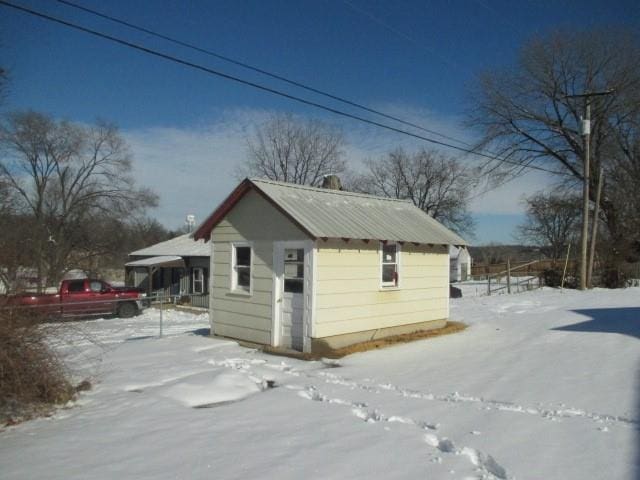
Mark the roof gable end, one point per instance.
(205, 228)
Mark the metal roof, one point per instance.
(160, 261)
(325, 213)
(183, 246)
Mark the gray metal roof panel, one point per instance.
(339, 214)
(183, 246)
(162, 260)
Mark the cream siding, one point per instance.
(256, 221)
(349, 296)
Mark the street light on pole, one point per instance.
(585, 131)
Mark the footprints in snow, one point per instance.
(547, 413)
(552, 414)
(486, 464)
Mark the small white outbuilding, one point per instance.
(460, 263)
(310, 268)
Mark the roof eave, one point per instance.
(385, 240)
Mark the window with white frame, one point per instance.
(197, 280)
(241, 268)
(389, 264)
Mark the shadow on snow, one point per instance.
(204, 332)
(624, 321)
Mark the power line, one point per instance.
(280, 77)
(261, 87)
(255, 69)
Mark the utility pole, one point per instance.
(594, 228)
(586, 133)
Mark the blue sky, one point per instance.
(415, 59)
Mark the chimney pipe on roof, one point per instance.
(332, 182)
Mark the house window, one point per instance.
(197, 280)
(389, 264)
(241, 268)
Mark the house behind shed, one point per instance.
(460, 264)
(175, 267)
(308, 268)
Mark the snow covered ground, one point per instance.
(542, 385)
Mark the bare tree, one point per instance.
(64, 178)
(623, 182)
(438, 184)
(524, 113)
(295, 150)
(552, 222)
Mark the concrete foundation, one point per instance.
(325, 344)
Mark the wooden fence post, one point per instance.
(508, 275)
(564, 272)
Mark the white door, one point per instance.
(292, 295)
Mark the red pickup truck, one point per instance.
(83, 298)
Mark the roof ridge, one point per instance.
(329, 191)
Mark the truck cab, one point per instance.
(89, 297)
(84, 298)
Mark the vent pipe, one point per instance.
(332, 182)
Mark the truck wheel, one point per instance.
(127, 310)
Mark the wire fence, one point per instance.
(505, 279)
(196, 300)
(510, 281)
(53, 305)
(48, 309)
